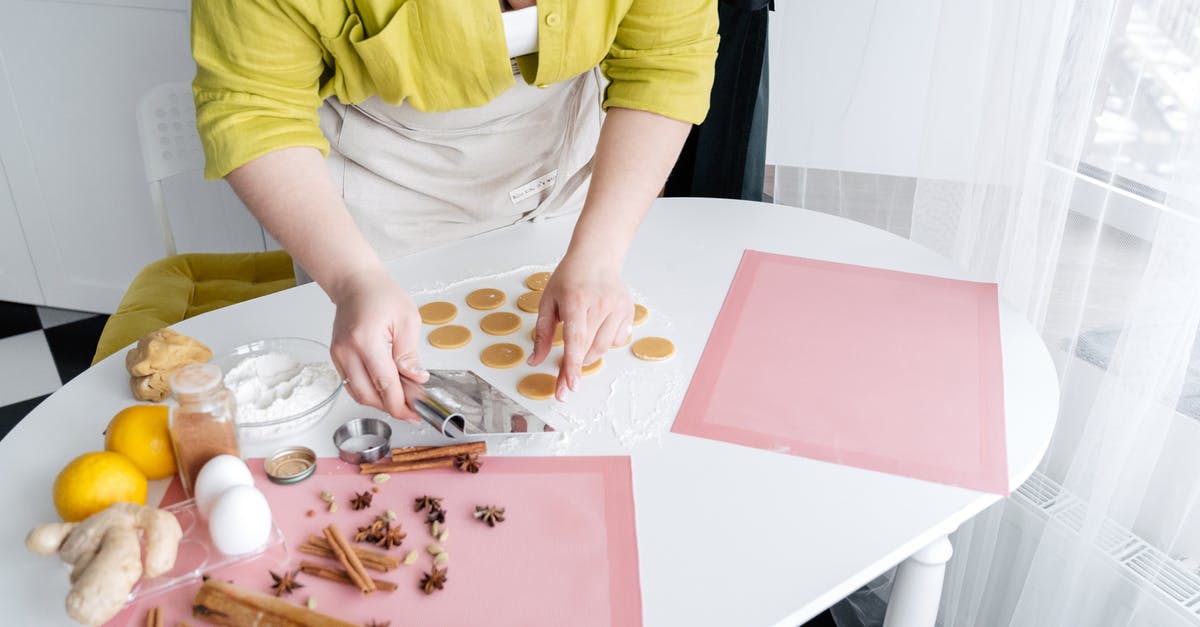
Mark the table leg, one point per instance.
(917, 589)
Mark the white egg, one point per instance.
(240, 522)
(218, 475)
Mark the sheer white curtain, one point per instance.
(1051, 146)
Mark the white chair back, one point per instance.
(166, 120)
(207, 213)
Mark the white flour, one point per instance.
(275, 385)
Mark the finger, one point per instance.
(385, 378)
(404, 354)
(606, 335)
(543, 339)
(358, 383)
(624, 335)
(575, 343)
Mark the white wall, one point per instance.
(18, 280)
(71, 73)
(852, 85)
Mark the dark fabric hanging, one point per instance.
(725, 157)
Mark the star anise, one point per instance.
(393, 537)
(432, 502)
(489, 514)
(361, 501)
(467, 463)
(373, 532)
(434, 580)
(435, 515)
(285, 583)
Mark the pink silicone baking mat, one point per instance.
(877, 369)
(566, 553)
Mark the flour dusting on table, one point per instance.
(642, 396)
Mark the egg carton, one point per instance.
(198, 556)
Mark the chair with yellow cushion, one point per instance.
(178, 287)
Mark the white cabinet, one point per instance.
(70, 77)
(18, 281)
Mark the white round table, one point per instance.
(727, 535)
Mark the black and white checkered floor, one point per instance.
(41, 348)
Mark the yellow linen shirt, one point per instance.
(263, 67)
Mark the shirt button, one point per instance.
(553, 19)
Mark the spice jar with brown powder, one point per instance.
(202, 425)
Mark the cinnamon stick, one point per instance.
(411, 449)
(318, 546)
(222, 603)
(349, 559)
(339, 575)
(389, 467)
(469, 448)
(154, 617)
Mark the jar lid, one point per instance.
(196, 378)
(292, 464)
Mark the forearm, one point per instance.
(293, 197)
(636, 152)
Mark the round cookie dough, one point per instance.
(538, 386)
(502, 355)
(529, 301)
(451, 336)
(486, 298)
(439, 312)
(537, 282)
(653, 349)
(558, 335)
(587, 368)
(500, 323)
(640, 314)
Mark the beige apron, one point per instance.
(414, 180)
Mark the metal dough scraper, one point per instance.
(460, 403)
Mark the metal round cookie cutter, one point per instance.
(363, 440)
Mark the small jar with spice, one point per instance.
(202, 425)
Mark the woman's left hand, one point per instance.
(596, 310)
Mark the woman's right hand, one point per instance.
(375, 337)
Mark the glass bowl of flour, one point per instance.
(283, 385)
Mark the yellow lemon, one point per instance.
(141, 434)
(93, 481)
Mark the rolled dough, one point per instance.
(639, 315)
(502, 355)
(653, 349)
(538, 386)
(439, 312)
(486, 298)
(451, 336)
(529, 301)
(537, 282)
(500, 323)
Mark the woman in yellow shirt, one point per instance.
(357, 131)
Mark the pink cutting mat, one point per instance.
(877, 369)
(565, 555)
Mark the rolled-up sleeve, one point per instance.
(662, 58)
(258, 69)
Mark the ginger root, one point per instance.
(156, 356)
(107, 555)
